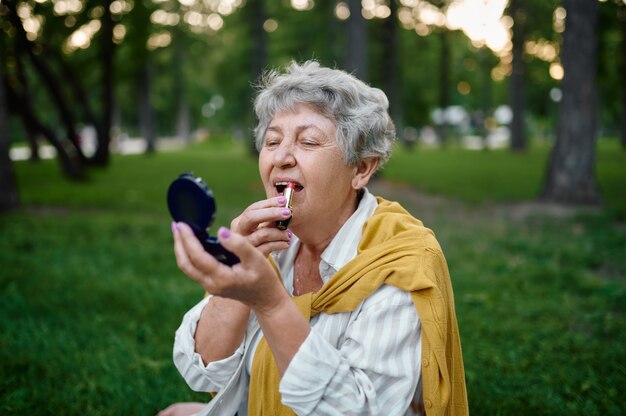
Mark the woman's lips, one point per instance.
(280, 186)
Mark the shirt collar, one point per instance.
(342, 248)
(344, 245)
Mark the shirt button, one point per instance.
(425, 362)
(428, 403)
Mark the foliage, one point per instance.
(218, 62)
(90, 295)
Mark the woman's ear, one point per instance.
(363, 172)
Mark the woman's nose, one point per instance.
(284, 155)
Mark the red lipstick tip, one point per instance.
(291, 185)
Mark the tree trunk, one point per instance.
(146, 113)
(70, 164)
(142, 67)
(9, 198)
(356, 48)
(444, 83)
(101, 157)
(33, 143)
(31, 133)
(259, 58)
(390, 70)
(183, 117)
(487, 104)
(259, 52)
(622, 24)
(68, 152)
(23, 46)
(570, 174)
(77, 90)
(517, 87)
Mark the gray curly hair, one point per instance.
(364, 127)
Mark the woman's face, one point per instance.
(300, 146)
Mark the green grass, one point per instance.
(541, 311)
(90, 295)
(499, 175)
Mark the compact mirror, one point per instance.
(191, 201)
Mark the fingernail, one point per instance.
(224, 232)
(282, 200)
(286, 213)
(289, 234)
(174, 227)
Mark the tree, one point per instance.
(259, 49)
(356, 48)
(622, 64)
(146, 113)
(183, 117)
(390, 63)
(24, 48)
(444, 83)
(570, 176)
(8, 187)
(517, 82)
(107, 53)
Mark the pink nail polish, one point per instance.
(282, 200)
(286, 212)
(289, 234)
(224, 232)
(174, 227)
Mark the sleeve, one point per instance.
(209, 378)
(375, 370)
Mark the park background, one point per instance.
(511, 122)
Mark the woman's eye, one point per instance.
(271, 142)
(310, 143)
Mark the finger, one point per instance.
(182, 259)
(239, 245)
(278, 201)
(249, 221)
(268, 235)
(267, 211)
(269, 248)
(179, 251)
(196, 254)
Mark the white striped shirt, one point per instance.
(364, 362)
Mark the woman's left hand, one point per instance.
(253, 281)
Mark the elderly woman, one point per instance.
(349, 311)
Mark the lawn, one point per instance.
(90, 296)
(499, 175)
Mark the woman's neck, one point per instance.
(306, 274)
(316, 237)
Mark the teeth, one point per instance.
(280, 186)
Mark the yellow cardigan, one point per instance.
(395, 249)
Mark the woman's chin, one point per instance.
(299, 225)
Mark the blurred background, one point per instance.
(511, 125)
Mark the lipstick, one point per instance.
(289, 192)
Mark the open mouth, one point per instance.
(280, 187)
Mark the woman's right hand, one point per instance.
(258, 224)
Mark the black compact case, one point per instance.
(191, 201)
